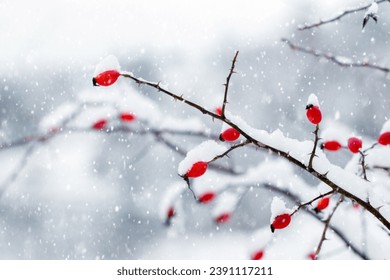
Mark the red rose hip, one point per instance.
(384, 138)
(223, 218)
(127, 117)
(281, 222)
(258, 255)
(313, 114)
(322, 204)
(100, 124)
(206, 197)
(229, 135)
(106, 78)
(197, 169)
(354, 144)
(331, 145)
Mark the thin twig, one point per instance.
(311, 201)
(313, 152)
(232, 148)
(339, 233)
(227, 84)
(327, 222)
(341, 61)
(338, 17)
(363, 164)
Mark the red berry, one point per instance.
(206, 197)
(281, 222)
(218, 111)
(229, 135)
(384, 138)
(331, 145)
(100, 124)
(258, 255)
(106, 78)
(354, 144)
(171, 212)
(313, 114)
(356, 205)
(223, 218)
(197, 169)
(127, 117)
(312, 256)
(322, 204)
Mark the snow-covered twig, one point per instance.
(285, 154)
(338, 17)
(227, 84)
(339, 60)
(327, 223)
(294, 198)
(232, 148)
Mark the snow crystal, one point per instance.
(108, 63)
(313, 100)
(206, 151)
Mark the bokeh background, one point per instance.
(91, 196)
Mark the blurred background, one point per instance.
(80, 198)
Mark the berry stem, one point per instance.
(313, 153)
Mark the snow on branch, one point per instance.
(338, 17)
(339, 60)
(296, 152)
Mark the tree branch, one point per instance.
(313, 153)
(339, 60)
(250, 139)
(338, 17)
(327, 222)
(227, 84)
(338, 232)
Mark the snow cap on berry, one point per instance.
(204, 152)
(278, 207)
(313, 100)
(110, 62)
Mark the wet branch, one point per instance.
(313, 152)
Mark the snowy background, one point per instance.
(94, 195)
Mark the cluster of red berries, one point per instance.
(354, 144)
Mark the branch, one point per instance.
(340, 234)
(227, 84)
(311, 201)
(327, 222)
(363, 164)
(286, 155)
(339, 60)
(341, 15)
(313, 153)
(232, 148)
